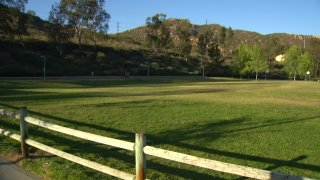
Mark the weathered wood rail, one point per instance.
(139, 147)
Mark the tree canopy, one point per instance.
(158, 32)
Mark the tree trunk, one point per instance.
(60, 49)
(79, 36)
(294, 78)
(95, 41)
(79, 41)
(21, 41)
(256, 76)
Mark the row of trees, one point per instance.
(252, 59)
(209, 44)
(212, 47)
(299, 63)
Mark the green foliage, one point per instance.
(257, 62)
(78, 13)
(314, 48)
(291, 61)
(242, 56)
(214, 53)
(57, 31)
(209, 50)
(250, 60)
(99, 19)
(158, 33)
(306, 63)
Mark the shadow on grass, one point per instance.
(73, 146)
(177, 136)
(46, 96)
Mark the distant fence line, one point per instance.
(62, 78)
(139, 147)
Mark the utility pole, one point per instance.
(148, 68)
(304, 42)
(206, 22)
(44, 67)
(118, 26)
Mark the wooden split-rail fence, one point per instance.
(139, 147)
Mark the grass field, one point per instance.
(272, 125)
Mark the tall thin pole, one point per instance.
(202, 64)
(304, 42)
(148, 69)
(118, 26)
(44, 67)
(202, 70)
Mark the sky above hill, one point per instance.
(262, 16)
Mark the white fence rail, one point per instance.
(140, 148)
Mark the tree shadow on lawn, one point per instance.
(210, 131)
(100, 83)
(46, 96)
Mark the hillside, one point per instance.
(126, 52)
(240, 36)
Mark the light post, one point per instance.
(308, 75)
(44, 67)
(265, 74)
(148, 63)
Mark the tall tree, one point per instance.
(57, 31)
(272, 48)
(202, 50)
(258, 62)
(306, 63)
(184, 31)
(242, 56)
(13, 19)
(314, 48)
(98, 22)
(291, 61)
(209, 49)
(214, 52)
(203, 43)
(78, 14)
(158, 33)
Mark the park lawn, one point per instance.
(272, 125)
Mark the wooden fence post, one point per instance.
(23, 132)
(140, 142)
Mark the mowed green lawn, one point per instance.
(272, 125)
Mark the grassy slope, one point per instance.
(271, 125)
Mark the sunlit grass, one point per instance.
(272, 125)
